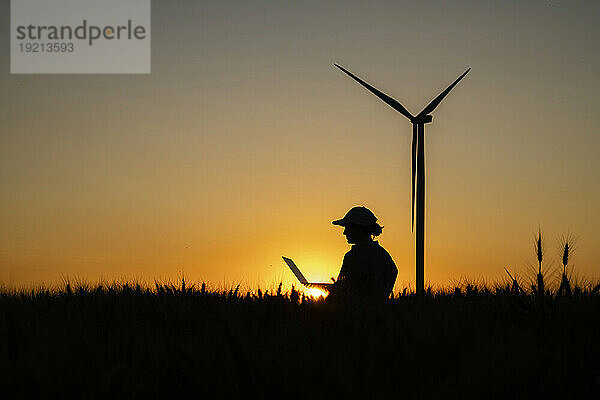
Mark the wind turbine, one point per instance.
(418, 164)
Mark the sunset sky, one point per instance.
(244, 143)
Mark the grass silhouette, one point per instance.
(130, 341)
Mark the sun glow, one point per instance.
(315, 293)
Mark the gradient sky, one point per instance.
(244, 143)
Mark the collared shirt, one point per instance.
(367, 270)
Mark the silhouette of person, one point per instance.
(368, 271)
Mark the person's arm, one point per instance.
(328, 287)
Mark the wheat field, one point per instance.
(130, 341)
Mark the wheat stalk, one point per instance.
(567, 250)
(539, 250)
(515, 288)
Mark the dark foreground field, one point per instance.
(127, 342)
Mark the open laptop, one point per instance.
(301, 278)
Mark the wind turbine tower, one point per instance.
(418, 165)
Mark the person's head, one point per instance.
(360, 225)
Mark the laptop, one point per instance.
(300, 276)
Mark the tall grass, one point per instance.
(566, 243)
(539, 250)
(188, 340)
(515, 287)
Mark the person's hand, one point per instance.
(322, 286)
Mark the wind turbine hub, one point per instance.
(423, 119)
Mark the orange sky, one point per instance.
(244, 143)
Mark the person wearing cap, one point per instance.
(368, 270)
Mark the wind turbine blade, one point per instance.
(434, 103)
(387, 99)
(413, 176)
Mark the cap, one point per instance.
(358, 215)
